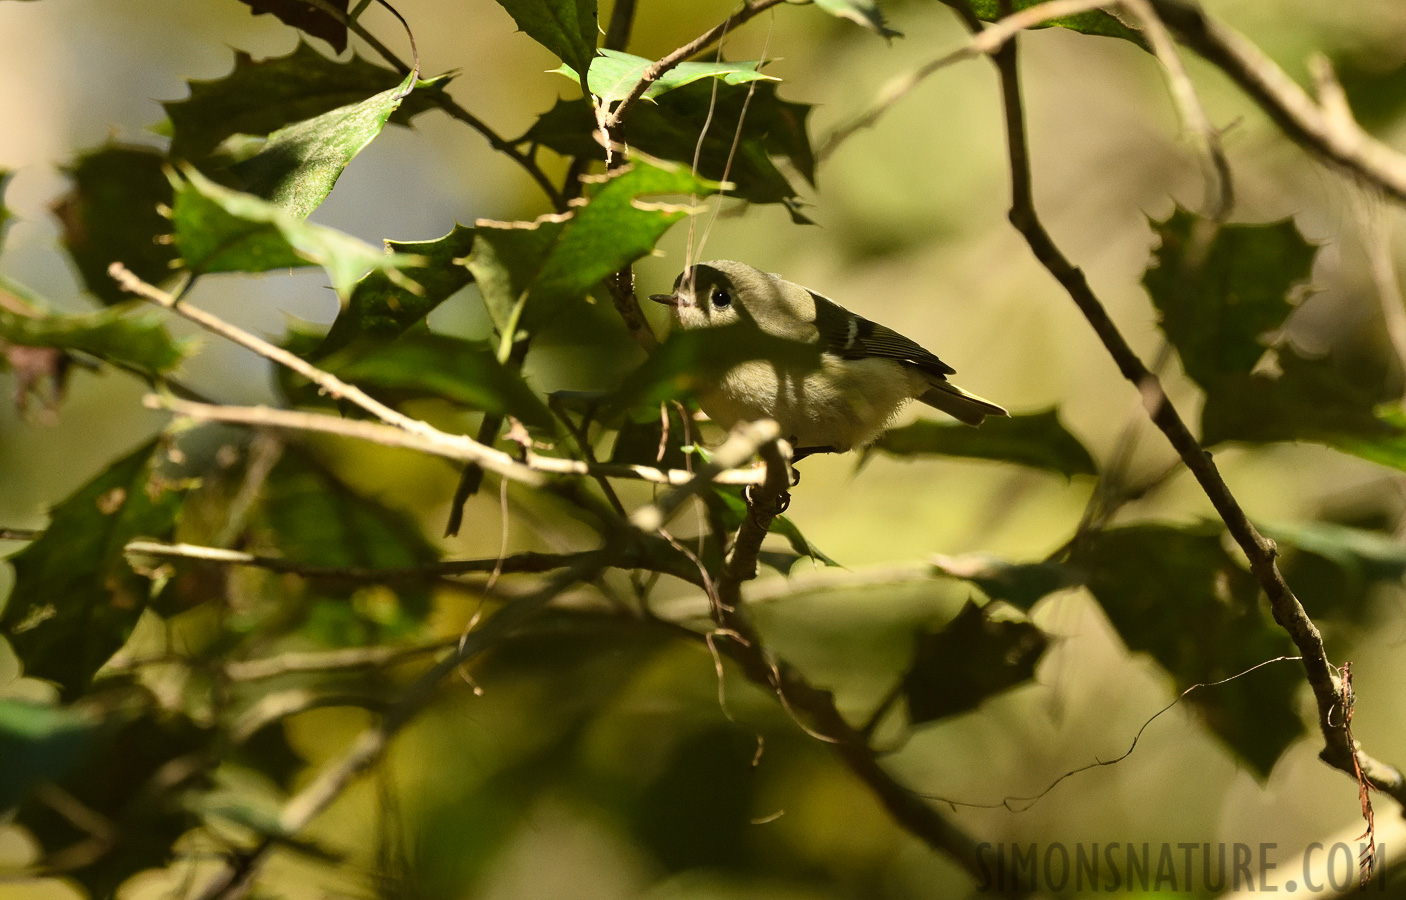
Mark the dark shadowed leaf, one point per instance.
(75, 597)
(862, 12)
(220, 230)
(111, 214)
(118, 335)
(260, 97)
(728, 508)
(974, 657)
(1022, 585)
(5, 214)
(614, 73)
(421, 364)
(305, 18)
(300, 163)
(1375, 93)
(560, 258)
(565, 27)
(1096, 22)
(1176, 594)
(669, 129)
(39, 743)
(381, 310)
(1038, 440)
(643, 440)
(1334, 567)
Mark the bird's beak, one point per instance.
(666, 299)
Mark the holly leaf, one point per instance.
(113, 214)
(305, 18)
(1334, 567)
(1176, 594)
(116, 335)
(614, 74)
(39, 743)
(669, 129)
(1038, 440)
(381, 310)
(565, 27)
(541, 265)
(75, 597)
(1022, 585)
(258, 97)
(300, 163)
(861, 12)
(220, 230)
(1095, 22)
(972, 658)
(433, 365)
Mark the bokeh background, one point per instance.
(516, 793)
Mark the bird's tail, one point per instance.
(959, 404)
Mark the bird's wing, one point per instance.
(854, 337)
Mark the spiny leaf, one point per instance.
(305, 18)
(112, 214)
(862, 12)
(1095, 22)
(116, 335)
(565, 27)
(381, 310)
(1176, 594)
(259, 97)
(300, 163)
(974, 657)
(220, 230)
(1022, 585)
(560, 258)
(614, 73)
(1038, 440)
(75, 597)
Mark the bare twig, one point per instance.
(348, 659)
(20, 534)
(741, 444)
(1260, 551)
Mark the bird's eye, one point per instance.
(721, 299)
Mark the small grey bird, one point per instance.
(867, 372)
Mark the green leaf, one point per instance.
(113, 214)
(974, 657)
(309, 514)
(381, 310)
(1334, 567)
(728, 507)
(640, 440)
(220, 230)
(307, 19)
(75, 597)
(117, 335)
(1220, 290)
(669, 129)
(1387, 447)
(464, 372)
(614, 73)
(1022, 585)
(560, 258)
(1095, 22)
(260, 97)
(1376, 95)
(1176, 594)
(1038, 440)
(861, 12)
(5, 214)
(39, 743)
(299, 165)
(565, 27)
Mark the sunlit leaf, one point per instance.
(974, 657)
(614, 73)
(565, 27)
(118, 335)
(381, 310)
(220, 230)
(560, 258)
(113, 213)
(1022, 585)
(306, 18)
(76, 597)
(1176, 594)
(1038, 440)
(39, 743)
(1096, 22)
(300, 163)
(861, 12)
(260, 97)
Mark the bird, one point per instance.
(867, 371)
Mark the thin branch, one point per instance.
(20, 534)
(349, 659)
(1260, 551)
(1332, 136)
(741, 445)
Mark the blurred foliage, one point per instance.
(163, 711)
